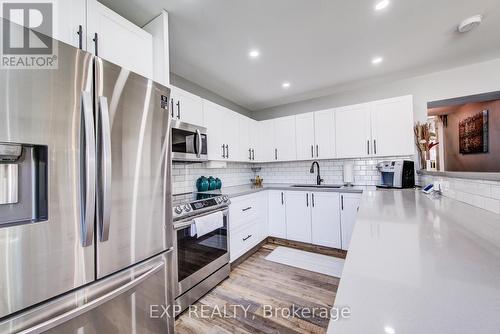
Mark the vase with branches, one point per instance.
(425, 140)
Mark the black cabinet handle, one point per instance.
(253, 154)
(312, 151)
(282, 199)
(179, 109)
(342, 202)
(307, 200)
(227, 151)
(246, 209)
(368, 146)
(96, 42)
(275, 154)
(317, 151)
(249, 154)
(80, 37)
(245, 239)
(312, 197)
(374, 146)
(223, 151)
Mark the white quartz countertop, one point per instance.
(235, 191)
(420, 265)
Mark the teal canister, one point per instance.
(218, 183)
(211, 183)
(202, 184)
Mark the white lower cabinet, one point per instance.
(349, 205)
(298, 216)
(326, 219)
(247, 223)
(277, 214)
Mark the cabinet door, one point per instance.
(69, 15)
(349, 205)
(187, 107)
(230, 123)
(392, 126)
(255, 140)
(119, 41)
(276, 215)
(298, 216)
(213, 116)
(326, 219)
(352, 131)
(324, 134)
(263, 204)
(284, 138)
(267, 146)
(245, 151)
(304, 136)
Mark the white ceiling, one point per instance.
(317, 45)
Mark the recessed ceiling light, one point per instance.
(382, 4)
(377, 60)
(254, 53)
(285, 85)
(389, 330)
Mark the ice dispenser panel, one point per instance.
(23, 183)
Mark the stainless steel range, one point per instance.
(201, 262)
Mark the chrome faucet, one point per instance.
(318, 178)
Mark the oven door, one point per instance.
(197, 258)
(189, 142)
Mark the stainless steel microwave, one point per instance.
(189, 142)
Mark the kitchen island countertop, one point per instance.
(420, 264)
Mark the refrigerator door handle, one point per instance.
(60, 319)
(87, 166)
(106, 170)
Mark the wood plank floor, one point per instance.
(257, 284)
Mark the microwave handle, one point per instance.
(198, 148)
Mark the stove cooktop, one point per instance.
(191, 204)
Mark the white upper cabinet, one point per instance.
(245, 151)
(324, 134)
(118, 40)
(158, 28)
(304, 136)
(222, 129)
(186, 107)
(392, 126)
(352, 131)
(284, 139)
(326, 219)
(255, 140)
(69, 18)
(266, 142)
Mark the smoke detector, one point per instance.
(470, 23)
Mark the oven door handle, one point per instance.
(190, 221)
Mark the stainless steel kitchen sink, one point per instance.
(323, 186)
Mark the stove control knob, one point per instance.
(178, 210)
(225, 198)
(187, 208)
(218, 200)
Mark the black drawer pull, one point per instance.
(245, 239)
(246, 209)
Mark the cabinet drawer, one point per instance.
(243, 240)
(243, 210)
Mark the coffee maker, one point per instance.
(396, 174)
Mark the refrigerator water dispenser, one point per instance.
(23, 183)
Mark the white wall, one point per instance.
(467, 80)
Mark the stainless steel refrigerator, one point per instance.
(85, 199)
